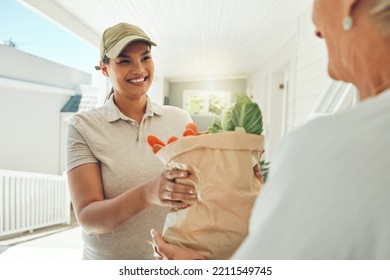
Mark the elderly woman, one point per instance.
(327, 196)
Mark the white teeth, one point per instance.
(137, 80)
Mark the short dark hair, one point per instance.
(105, 60)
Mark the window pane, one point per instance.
(207, 103)
(194, 102)
(218, 102)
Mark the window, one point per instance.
(206, 103)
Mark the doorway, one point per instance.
(278, 88)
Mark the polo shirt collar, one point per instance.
(114, 114)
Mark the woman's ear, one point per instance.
(103, 68)
(348, 6)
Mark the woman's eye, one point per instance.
(123, 61)
(146, 58)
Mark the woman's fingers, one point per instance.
(179, 191)
(176, 191)
(166, 251)
(173, 174)
(161, 248)
(257, 171)
(156, 254)
(173, 194)
(177, 199)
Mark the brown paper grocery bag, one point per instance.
(221, 168)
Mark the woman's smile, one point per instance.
(137, 81)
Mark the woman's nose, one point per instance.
(137, 68)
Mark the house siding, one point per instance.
(32, 92)
(304, 59)
(310, 72)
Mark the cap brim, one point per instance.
(115, 51)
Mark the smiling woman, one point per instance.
(131, 75)
(118, 188)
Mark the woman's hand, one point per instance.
(166, 251)
(164, 191)
(257, 171)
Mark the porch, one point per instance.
(59, 242)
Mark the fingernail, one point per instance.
(191, 191)
(152, 232)
(182, 174)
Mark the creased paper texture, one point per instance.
(221, 167)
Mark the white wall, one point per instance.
(310, 73)
(33, 91)
(30, 130)
(23, 66)
(156, 91)
(275, 113)
(264, 87)
(303, 59)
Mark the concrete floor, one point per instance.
(62, 242)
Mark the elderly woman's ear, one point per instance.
(349, 5)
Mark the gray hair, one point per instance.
(380, 11)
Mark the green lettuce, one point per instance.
(215, 126)
(242, 115)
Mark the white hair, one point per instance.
(379, 10)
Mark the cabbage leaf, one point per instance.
(242, 115)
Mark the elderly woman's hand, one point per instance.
(166, 251)
(257, 171)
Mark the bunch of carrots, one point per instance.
(156, 143)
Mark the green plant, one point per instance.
(242, 115)
(264, 167)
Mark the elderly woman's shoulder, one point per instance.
(366, 117)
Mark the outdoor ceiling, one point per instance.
(195, 38)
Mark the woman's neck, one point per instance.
(372, 67)
(133, 108)
(373, 77)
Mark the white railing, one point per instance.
(30, 201)
(336, 96)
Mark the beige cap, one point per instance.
(117, 37)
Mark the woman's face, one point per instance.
(132, 71)
(327, 17)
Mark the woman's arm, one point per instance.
(98, 215)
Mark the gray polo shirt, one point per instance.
(105, 136)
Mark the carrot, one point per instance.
(192, 126)
(153, 139)
(189, 132)
(157, 147)
(172, 139)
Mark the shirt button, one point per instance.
(133, 122)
